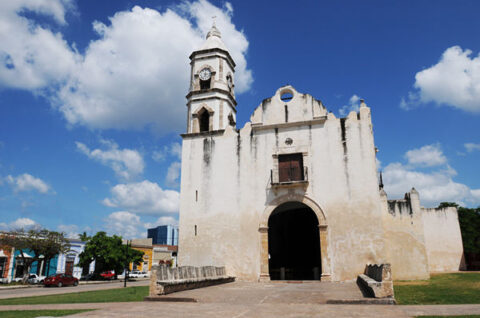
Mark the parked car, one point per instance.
(35, 279)
(137, 274)
(108, 275)
(91, 276)
(60, 280)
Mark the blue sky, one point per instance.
(92, 96)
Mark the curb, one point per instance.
(365, 301)
(170, 299)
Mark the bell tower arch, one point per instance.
(212, 86)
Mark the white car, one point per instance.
(35, 279)
(137, 274)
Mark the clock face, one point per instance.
(205, 74)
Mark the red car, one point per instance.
(108, 275)
(60, 280)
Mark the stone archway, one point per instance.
(322, 228)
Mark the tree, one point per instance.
(35, 245)
(109, 253)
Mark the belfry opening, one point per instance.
(294, 243)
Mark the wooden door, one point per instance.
(69, 268)
(290, 167)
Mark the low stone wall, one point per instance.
(165, 280)
(377, 280)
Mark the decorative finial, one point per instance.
(214, 31)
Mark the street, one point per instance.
(40, 291)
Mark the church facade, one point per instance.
(294, 194)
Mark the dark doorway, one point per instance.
(204, 121)
(294, 243)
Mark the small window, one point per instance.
(290, 167)
(204, 121)
(205, 84)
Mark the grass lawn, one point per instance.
(97, 296)
(38, 313)
(457, 288)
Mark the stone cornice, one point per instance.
(203, 134)
(230, 98)
(318, 120)
(228, 58)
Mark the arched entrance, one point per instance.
(294, 243)
(302, 201)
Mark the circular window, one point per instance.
(286, 96)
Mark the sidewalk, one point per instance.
(269, 300)
(267, 310)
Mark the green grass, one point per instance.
(457, 288)
(38, 313)
(97, 296)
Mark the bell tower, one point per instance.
(211, 98)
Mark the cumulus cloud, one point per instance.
(26, 182)
(174, 150)
(353, 105)
(31, 55)
(434, 186)
(144, 198)
(173, 174)
(19, 224)
(125, 224)
(70, 230)
(163, 220)
(454, 81)
(135, 75)
(126, 163)
(429, 155)
(470, 146)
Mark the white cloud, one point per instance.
(31, 55)
(173, 174)
(174, 150)
(163, 220)
(70, 230)
(125, 224)
(434, 186)
(143, 197)
(470, 146)
(135, 75)
(428, 156)
(126, 163)
(453, 81)
(27, 182)
(19, 224)
(353, 105)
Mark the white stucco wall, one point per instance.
(404, 237)
(231, 174)
(443, 239)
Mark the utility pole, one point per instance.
(127, 266)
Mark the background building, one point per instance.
(144, 245)
(164, 234)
